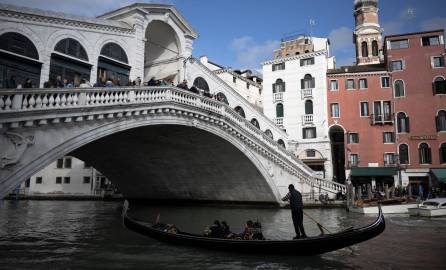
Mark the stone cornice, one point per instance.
(295, 57)
(358, 74)
(230, 71)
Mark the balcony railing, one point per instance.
(307, 93)
(307, 119)
(381, 119)
(278, 97)
(279, 121)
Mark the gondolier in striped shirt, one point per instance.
(297, 212)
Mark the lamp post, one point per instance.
(398, 167)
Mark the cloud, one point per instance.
(250, 54)
(433, 24)
(341, 39)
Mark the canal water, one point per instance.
(89, 235)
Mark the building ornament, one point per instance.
(16, 148)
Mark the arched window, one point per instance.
(279, 110)
(307, 82)
(201, 84)
(375, 48)
(281, 143)
(439, 86)
(425, 154)
(72, 48)
(307, 51)
(308, 107)
(222, 98)
(240, 111)
(402, 123)
(364, 49)
(443, 153)
(114, 51)
(441, 121)
(279, 86)
(399, 88)
(403, 151)
(269, 133)
(18, 44)
(255, 123)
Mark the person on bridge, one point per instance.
(297, 212)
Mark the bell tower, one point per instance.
(368, 33)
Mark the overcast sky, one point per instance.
(243, 33)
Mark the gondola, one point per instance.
(306, 246)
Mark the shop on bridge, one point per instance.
(113, 64)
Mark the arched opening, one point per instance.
(222, 98)
(364, 49)
(69, 61)
(399, 88)
(439, 86)
(425, 154)
(440, 120)
(308, 107)
(18, 61)
(375, 50)
(442, 153)
(281, 143)
(307, 82)
(403, 151)
(279, 86)
(279, 110)
(255, 123)
(113, 64)
(240, 111)
(336, 134)
(402, 122)
(162, 51)
(269, 134)
(201, 83)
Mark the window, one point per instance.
(439, 86)
(308, 107)
(404, 153)
(334, 85)
(382, 111)
(18, 44)
(86, 179)
(71, 47)
(311, 153)
(307, 61)
(430, 41)
(362, 83)
(350, 84)
(114, 51)
(443, 153)
(234, 79)
(353, 137)
(279, 66)
(66, 180)
(440, 120)
(279, 110)
(364, 49)
(389, 158)
(396, 65)
(385, 82)
(309, 133)
(364, 108)
(398, 88)
(399, 44)
(255, 123)
(39, 180)
(67, 163)
(307, 82)
(59, 164)
(58, 180)
(269, 133)
(402, 121)
(437, 61)
(425, 154)
(279, 86)
(353, 160)
(281, 143)
(240, 111)
(334, 110)
(375, 48)
(201, 83)
(388, 137)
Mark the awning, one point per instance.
(373, 171)
(439, 175)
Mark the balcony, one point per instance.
(277, 97)
(307, 119)
(381, 119)
(279, 121)
(307, 93)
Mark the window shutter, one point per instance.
(274, 88)
(433, 88)
(403, 64)
(312, 83)
(432, 61)
(283, 87)
(429, 155)
(273, 67)
(302, 82)
(303, 133)
(407, 124)
(437, 122)
(346, 84)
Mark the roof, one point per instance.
(63, 16)
(373, 171)
(358, 69)
(414, 33)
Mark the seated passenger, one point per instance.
(226, 232)
(256, 232)
(246, 234)
(216, 229)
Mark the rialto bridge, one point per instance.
(152, 142)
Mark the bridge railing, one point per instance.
(63, 98)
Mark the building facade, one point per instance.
(294, 96)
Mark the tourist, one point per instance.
(151, 82)
(247, 232)
(194, 89)
(183, 85)
(421, 192)
(28, 83)
(297, 212)
(137, 81)
(226, 232)
(84, 84)
(12, 83)
(216, 229)
(59, 82)
(109, 83)
(46, 84)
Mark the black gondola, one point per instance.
(306, 246)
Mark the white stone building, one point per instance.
(294, 96)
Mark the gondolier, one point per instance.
(297, 212)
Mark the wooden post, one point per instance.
(386, 190)
(369, 191)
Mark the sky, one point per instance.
(243, 33)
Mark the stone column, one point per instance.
(138, 50)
